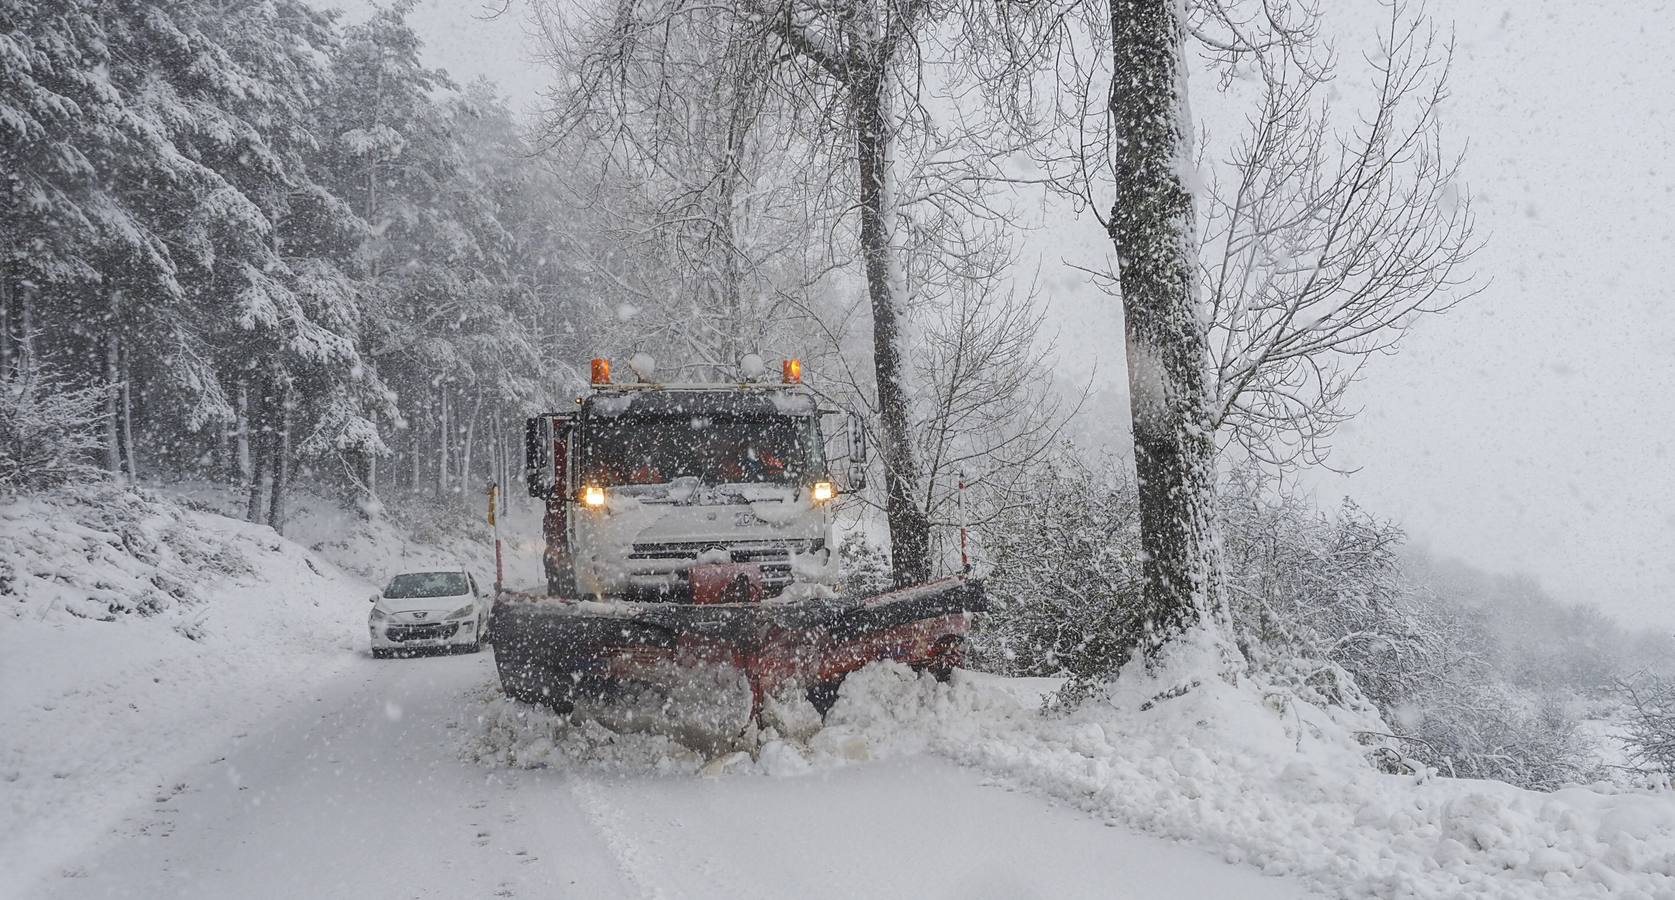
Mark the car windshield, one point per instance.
(427, 584)
(657, 449)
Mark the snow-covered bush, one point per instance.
(1315, 599)
(105, 552)
(863, 565)
(1065, 575)
(1650, 730)
(1474, 725)
(48, 428)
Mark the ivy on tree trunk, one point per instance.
(1153, 228)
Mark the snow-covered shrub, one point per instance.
(1650, 730)
(1475, 725)
(863, 565)
(1065, 575)
(48, 428)
(104, 552)
(1322, 610)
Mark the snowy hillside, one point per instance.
(139, 633)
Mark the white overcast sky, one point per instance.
(1530, 430)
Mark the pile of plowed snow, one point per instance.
(136, 635)
(1248, 770)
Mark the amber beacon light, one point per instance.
(792, 372)
(601, 370)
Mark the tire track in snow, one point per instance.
(613, 829)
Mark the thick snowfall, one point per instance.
(277, 297)
(242, 743)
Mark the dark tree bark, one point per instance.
(113, 402)
(1153, 229)
(909, 527)
(129, 452)
(280, 445)
(260, 440)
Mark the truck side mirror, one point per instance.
(374, 598)
(857, 441)
(537, 456)
(857, 454)
(546, 455)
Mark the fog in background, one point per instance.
(1529, 430)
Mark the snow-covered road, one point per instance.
(360, 791)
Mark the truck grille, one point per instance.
(773, 558)
(739, 552)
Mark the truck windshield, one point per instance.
(415, 585)
(657, 449)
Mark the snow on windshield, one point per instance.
(418, 585)
(657, 449)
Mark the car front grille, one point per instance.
(427, 632)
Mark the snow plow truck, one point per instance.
(689, 559)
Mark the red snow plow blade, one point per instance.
(566, 652)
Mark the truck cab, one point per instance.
(686, 493)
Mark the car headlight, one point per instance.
(378, 614)
(464, 612)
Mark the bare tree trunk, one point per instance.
(467, 452)
(259, 442)
(1153, 229)
(26, 329)
(123, 359)
(505, 449)
(9, 362)
(442, 435)
(909, 526)
(281, 448)
(113, 411)
(241, 436)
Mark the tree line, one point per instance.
(266, 239)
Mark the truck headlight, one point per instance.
(463, 612)
(822, 491)
(593, 496)
(378, 614)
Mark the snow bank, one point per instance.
(1277, 783)
(1249, 770)
(136, 636)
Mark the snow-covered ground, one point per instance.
(237, 740)
(359, 791)
(141, 631)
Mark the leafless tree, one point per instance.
(1317, 250)
(1321, 249)
(666, 127)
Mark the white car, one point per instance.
(437, 609)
